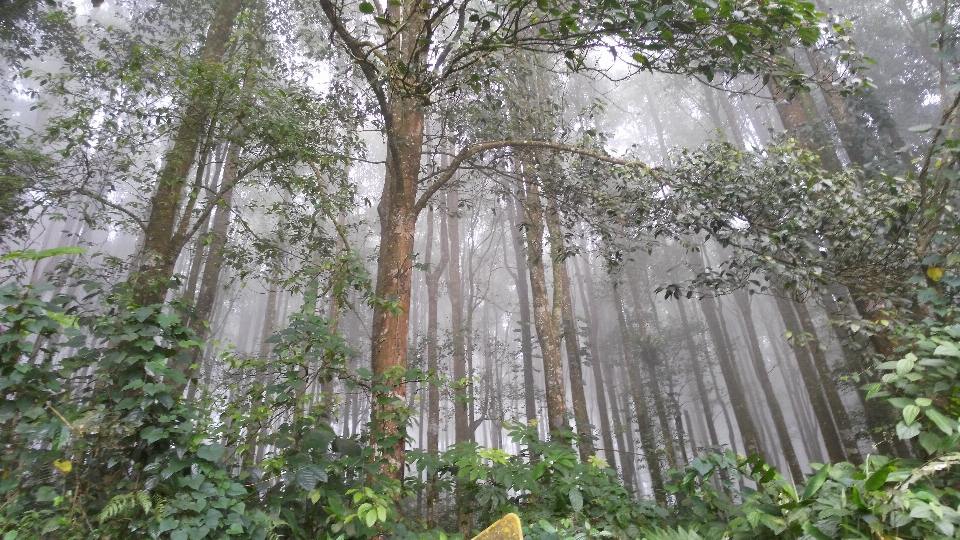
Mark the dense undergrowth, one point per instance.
(98, 441)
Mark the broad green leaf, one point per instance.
(211, 452)
(816, 533)
(576, 500)
(153, 434)
(910, 413)
(946, 425)
(877, 479)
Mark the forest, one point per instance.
(392, 269)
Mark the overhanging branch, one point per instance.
(446, 174)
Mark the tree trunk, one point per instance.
(702, 392)
(589, 306)
(735, 390)
(543, 316)
(514, 213)
(760, 369)
(561, 297)
(829, 386)
(161, 246)
(462, 431)
(811, 382)
(391, 310)
(648, 358)
(647, 438)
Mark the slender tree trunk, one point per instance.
(523, 295)
(648, 358)
(462, 432)
(589, 306)
(647, 438)
(829, 386)
(702, 393)
(812, 383)
(760, 369)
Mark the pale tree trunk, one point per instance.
(770, 396)
(514, 213)
(589, 306)
(703, 394)
(812, 384)
(735, 390)
(829, 386)
(647, 439)
(647, 356)
(462, 432)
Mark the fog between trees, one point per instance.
(328, 246)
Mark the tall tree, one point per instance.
(410, 51)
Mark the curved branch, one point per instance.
(446, 174)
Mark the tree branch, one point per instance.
(446, 174)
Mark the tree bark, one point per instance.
(647, 439)
(543, 316)
(162, 243)
(561, 297)
(844, 426)
(589, 305)
(760, 369)
(514, 213)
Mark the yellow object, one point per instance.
(64, 466)
(934, 273)
(506, 528)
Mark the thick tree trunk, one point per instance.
(391, 311)
(546, 323)
(561, 297)
(161, 246)
(800, 118)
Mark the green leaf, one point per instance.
(211, 452)
(946, 425)
(929, 441)
(877, 479)
(814, 532)
(815, 483)
(910, 413)
(905, 431)
(165, 320)
(370, 518)
(153, 434)
(366, 7)
(947, 349)
(576, 500)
